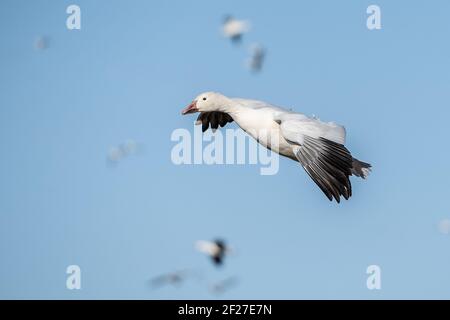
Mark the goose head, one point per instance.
(206, 102)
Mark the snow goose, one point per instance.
(234, 29)
(215, 249)
(317, 145)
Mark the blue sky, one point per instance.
(126, 75)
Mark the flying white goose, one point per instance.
(215, 249)
(234, 29)
(317, 145)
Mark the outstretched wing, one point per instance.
(213, 119)
(327, 162)
(296, 125)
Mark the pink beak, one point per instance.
(192, 108)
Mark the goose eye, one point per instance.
(204, 99)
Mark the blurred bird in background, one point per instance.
(175, 278)
(234, 29)
(41, 43)
(217, 250)
(125, 149)
(444, 226)
(257, 55)
(222, 286)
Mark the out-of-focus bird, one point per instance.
(223, 285)
(257, 56)
(444, 226)
(215, 249)
(123, 150)
(234, 29)
(173, 278)
(317, 145)
(115, 154)
(42, 43)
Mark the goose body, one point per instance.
(259, 124)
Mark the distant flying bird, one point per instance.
(224, 285)
(258, 54)
(42, 43)
(215, 249)
(117, 153)
(172, 278)
(444, 226)
(317, 145)
(234, 29)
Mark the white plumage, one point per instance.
(234, 29)
(216, 250)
